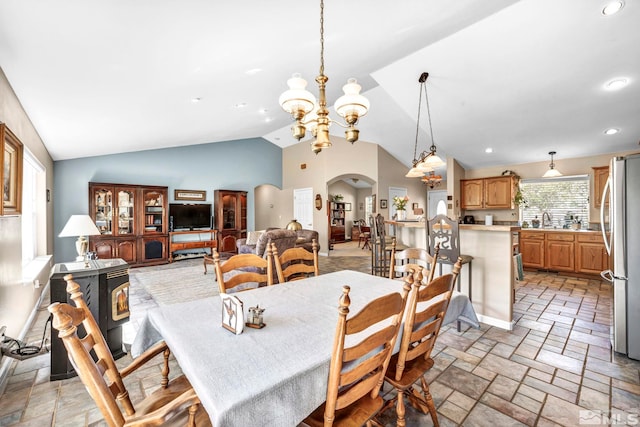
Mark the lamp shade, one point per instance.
(352, 103)
(297, 98)
(79, 225)
(552, 172)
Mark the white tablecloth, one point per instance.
(274, 376)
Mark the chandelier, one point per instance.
(301, 104)
(431, 179)
(427, 160)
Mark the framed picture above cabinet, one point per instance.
(11, 153)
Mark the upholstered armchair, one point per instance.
(283, 240)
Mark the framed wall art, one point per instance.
(383, 203)
(347, 206)
(194, 195)
(11, 166)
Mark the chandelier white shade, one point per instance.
(314, 115)
(552, 172)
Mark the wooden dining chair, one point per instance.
(425, 312)
(364, 234)
(407, 261)
(174, 403)
(296, 263)
(381, 246)
(243, 271)
(356, 372)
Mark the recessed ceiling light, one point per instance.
(611, 131)
(240, 105)
(263, 111)
(196, 100)
(617, 83)
(268, 119)
(253, 71)
(488, 150)
(612, 8)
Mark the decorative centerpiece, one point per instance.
(400, 203)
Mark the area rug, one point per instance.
(185, 280)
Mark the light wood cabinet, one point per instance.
(132, 220)
(566, 251)
(600, 176)
(488, 193)
(591, 255)
(531, 246)
(471, 193)
(230, 218)
(560, 251)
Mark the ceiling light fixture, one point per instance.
(616, 84)
(298, 102)
(552, 172)
(611, 131)
(613, 8)
(427, 160)
(431, 179)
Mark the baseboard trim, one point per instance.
(492, 321)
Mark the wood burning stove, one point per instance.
(105, 288)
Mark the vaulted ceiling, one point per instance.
(521, 77)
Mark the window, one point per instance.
(565, 199)
(33, 178)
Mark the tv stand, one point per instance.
(192, 239)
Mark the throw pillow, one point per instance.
(253, 236)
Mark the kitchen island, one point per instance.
(492, 270)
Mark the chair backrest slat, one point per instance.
(247, 268)
(296, 263)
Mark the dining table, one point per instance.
(276, 375)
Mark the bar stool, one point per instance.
(381, 246)
(444, 231)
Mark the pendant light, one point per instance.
(427, 160)
(552, 172)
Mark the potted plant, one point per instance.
(338, 197)
(400, 203)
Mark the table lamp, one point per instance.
(81, 226)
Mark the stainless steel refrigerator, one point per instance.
(623, 245)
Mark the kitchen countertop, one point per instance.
(482, 227)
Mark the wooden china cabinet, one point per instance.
(230, 218)
(133, 222)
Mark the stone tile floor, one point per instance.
(555, 368)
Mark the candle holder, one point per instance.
(254, 319)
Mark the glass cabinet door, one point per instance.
(103, 213)
(153, 211)
(126, 218)
(229, 204)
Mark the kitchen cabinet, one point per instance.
(471, 193)
(132, 220)
(591, 255)
(560, 252)
(488, 193)
(580, 252)
(531, 246)
(230, 220)
(600, 176)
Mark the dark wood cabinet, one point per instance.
(336, 222)
(133, 222)
(230, 218)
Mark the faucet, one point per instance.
(546, 222)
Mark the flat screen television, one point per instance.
(190, 216)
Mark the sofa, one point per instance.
(305, 239)
(256, 241)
